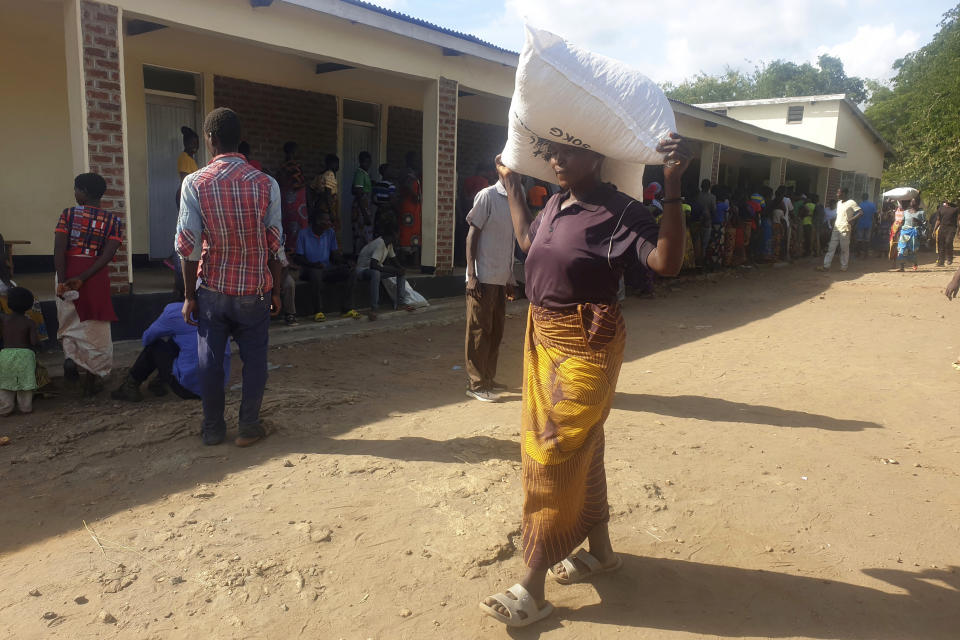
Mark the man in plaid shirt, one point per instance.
(228, 236)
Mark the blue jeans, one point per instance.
(374, 276)
(247, 319)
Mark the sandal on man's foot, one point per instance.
(319, 317)
(576, 574)
(352, 313)
(521, 608)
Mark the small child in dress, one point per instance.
(18, 358)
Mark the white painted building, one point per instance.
(830, 120)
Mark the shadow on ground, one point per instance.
(76, 460)
(719, 410)
(710, 600)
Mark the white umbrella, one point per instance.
(901, 193)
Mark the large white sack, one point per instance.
(569, 95)
(901, 193)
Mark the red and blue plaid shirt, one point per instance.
(230, 222)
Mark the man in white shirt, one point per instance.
(848, 211)
(788, 219)
(375, 261)
(490, 283)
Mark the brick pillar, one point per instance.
(833, 183)
(446, 174)
(102, 84)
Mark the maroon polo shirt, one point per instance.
(568, 261)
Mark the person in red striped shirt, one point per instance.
(229, 236)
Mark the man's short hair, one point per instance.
(704, 185)
(223, 124)
(866, 196)
(364, 155)
(91, 184)
(844, 191)
(330, 159)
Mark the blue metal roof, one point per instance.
(423, 23)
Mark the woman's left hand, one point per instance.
(677, 153)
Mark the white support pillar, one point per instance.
(76, 89)
(709, 155)
(778, 172)
(822, 173)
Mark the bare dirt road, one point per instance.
(782, 457)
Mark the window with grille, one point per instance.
(158, 79)
(795, 114)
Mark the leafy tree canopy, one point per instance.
(777, 79)
(920, 116)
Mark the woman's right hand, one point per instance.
(508, 177)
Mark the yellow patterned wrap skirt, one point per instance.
(571, 363)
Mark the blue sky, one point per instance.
(674, 40)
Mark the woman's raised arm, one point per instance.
(522, 218)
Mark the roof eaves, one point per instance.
(697, 111)
(377, 17)
(424, 23)
(766, 101)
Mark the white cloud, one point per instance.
(670, 42)
(873, 50)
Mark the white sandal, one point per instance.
(517, 600)
(576, 574)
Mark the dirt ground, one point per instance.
(782, 459)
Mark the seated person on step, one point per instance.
(379, 260)
(321, 264)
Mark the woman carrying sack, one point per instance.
(577, 250)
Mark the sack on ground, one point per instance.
(413, 298)
(569, 95)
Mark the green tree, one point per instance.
(729, 85)
(920, 116)
(777, 79)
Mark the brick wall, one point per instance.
(271, 116)
(446, 174)
(101, 77)
(834, 177)
(477, 142)
(404, 134)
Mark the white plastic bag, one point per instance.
(412, 298)
(569, 95)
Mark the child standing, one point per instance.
(86, 239)
(18, 359)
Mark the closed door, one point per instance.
(165, 116)
(356, 138)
